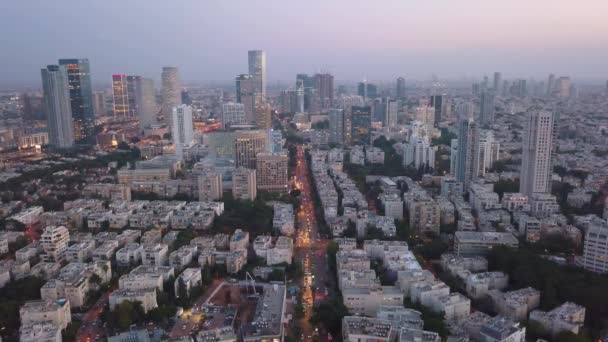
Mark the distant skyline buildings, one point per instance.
(400, 89)
(120, 96)
(57, 102)
(246, 94)
(170, 92)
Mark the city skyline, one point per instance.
(541, 39)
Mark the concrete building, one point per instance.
(130, 254)
(189, 279)
(239, 241)
(170, 92)
(424, 215)
(257, 69)
(57, 103)
(515, 305)
(357, 329)
(566, 317)
(244, 184)
(40, 332)
(281, 253)
(478, 243)
(210, 186)
(147, 298)
(182, 129)
(418, 153)
(366, 301)
(247, 145)
(595, 250)
(268, 317)
(418, 335)
(477, 285)
(233, 114)
(283, 219)
(40, 311)
(467, 152)
(271, 172)
(54, 243)
(155, 255)
(502, 329)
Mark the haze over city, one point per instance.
(352, 39)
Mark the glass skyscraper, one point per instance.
(81, 98)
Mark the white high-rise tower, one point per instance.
(537, 155)
(183, 130)
(171, 95)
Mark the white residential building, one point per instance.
(55, 243)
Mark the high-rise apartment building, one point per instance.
(336, 126)
(390, 109)
(209, 186)
(99, 104)
(247, 144)
(257, 69)
(246, 94)
(271, 172)
(244, 184)
(54, 242)
(418, 152)
(233, 114)
(182, 129)
(299, 95)
(120, 94)
(400, 93)
(81, 98)
(488, 152)
(361, 124)
(170, 92)
(58, 109)
(468, 147)
(562, 87)
(487, 108)
(263, 115)
(539, 138)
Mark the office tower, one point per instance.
(289, 101)
(54, 241)
(170, 92)
(257, 69)
(263, 115)
(120, 96)
(361, 123)
(81, 98)
(147, 109)
(437, 102)
(57, 104)
(185, 96)
(550, 84)
(488, 152)
(324, 86)
(367, 90)
(519, 88)
(336, 126)
(466, 163)
(453, 157)
(233, 114)
(562, 87)
(487, 107)
(400, 93)
(247, 144)
(390, 109)
(209, 186)
(271, 172)
(244, 184)
(133, 93)
(299, 95)
(182, 129)
(497, 82)
(99, 104)
(246, 94)
(595, 250)
(418, 152)
(537, 155)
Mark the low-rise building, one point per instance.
(283, 219)
(40, 311)
(129, 255)
(566, 317)
(282, 251)
(479, 243)
(357, 329)
(155, 255)
(239, 241)
(366, 301)
(147, 298)
(478, 285)
(40, 332)
(187, 280)
(502, 329)
(515, 305)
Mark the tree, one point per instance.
(123, 145)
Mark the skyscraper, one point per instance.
(336, 126)
(233, 114)
(486, 107)
(170, 92)
(437, 103)
(257, 69)
(120, 95)
(497, 82)
(550, 84)
(147, 109)
(58, 109)
(324, 85)
(537, 154)
(271, 172)
(562, 87)
(488, 151)
(99, 104)
(182, 129)
(81, 98)
(133, 96)
(400, 93)
(247, 144)
(361, 123)
(367, 90)
(468, 146)
(246, 94)
(299, 95)
(390, 110)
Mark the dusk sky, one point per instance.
(378, 40)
